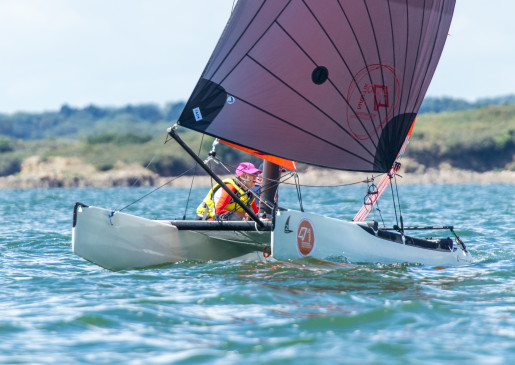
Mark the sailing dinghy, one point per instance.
(335, 84)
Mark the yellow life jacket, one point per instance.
(206, 209)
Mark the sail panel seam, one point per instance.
(255, 43)
(432, 51)
(393, 53)
(238, 40)
(309, 102)
(331, 82)
(380, 68)
(346, 65)
(302, 130)
(365, 66)
(418, 52)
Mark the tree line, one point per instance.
(463, 134)
(151, 119)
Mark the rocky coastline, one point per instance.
(71, 172)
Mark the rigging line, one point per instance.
(364, 63)
(287, 177)
(309, 102)
(381, 66)
(399, 201)
(299, 193)
(239, 38)
(278, 182)
(346, 65)
(224, 165)
(156, 189)
(418, 99)
(268, 203)
(330, 186)
(379, 212)
(192, 179)
(337, 90)
(147, 165)
(304, 131)
(394, 205)
(282, 180)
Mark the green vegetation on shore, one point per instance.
(477, 138)
(480, 139)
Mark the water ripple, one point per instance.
(56, 307)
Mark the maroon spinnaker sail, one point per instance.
(333, 83)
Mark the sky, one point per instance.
(120, 52)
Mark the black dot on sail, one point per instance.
(320, 75)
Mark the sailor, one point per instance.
(218, 203)
(258, 186)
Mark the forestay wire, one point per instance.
(161, 186)
(192, 179)
(156, 189)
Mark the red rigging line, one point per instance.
(373, 196)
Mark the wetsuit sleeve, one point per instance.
(224, 200)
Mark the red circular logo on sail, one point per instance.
(305, 237)
(372, 100)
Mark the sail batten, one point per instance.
(329, 83)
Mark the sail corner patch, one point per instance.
(197, 114)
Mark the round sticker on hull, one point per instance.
(305, 237)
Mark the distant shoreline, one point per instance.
(61, 172)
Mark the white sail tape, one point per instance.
(197, 114)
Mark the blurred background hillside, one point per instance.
(477, 136)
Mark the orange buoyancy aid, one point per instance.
(206, 209)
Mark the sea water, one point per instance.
(56, 307)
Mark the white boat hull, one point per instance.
(118, 241)
(122, 241)
(297, 235)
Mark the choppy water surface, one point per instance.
(57, 308)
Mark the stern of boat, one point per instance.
(299, 234)
(118, 241)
